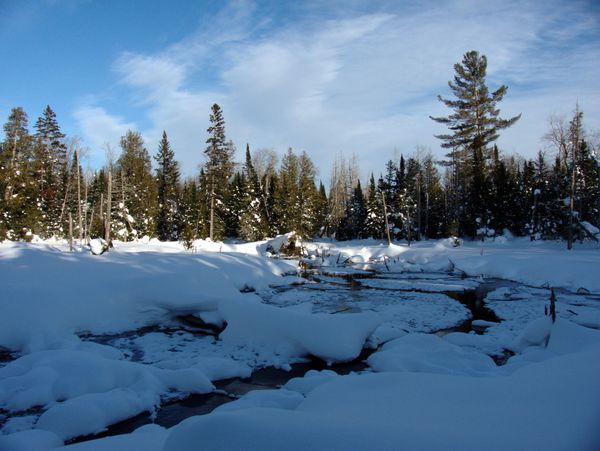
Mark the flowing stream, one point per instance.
(330, 290)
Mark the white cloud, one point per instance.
(362, 82)
(99, 128)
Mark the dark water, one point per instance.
(227, 390)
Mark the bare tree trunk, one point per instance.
(212, 209)
(387, 226)
(11, 170)
(419, 206)
(108, 207)
(409, 231)
(87, 234)
(102, 218)
(70, 232)
(86, 224)
(64, 203)
(79, 218)
(427, 215)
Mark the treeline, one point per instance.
(474, 192)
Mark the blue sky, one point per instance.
(332, 78)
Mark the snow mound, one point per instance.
(430, 354)
(60, 293)
(86, 392)
(546, 405)
(32, 439)
(290, 332)
(311, 380)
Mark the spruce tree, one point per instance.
(167, 180)
(218, 170)
(321, 210)
(253, 221)
(19, 191)
(356, 214)
(134, 189)
(307, 197)
(374, 222)
(51, 156)
(287, 198)
(434, 217)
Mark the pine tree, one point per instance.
(96, 203)
(219, 169)
(322, 210)
(134, 189)
(253, 221)
(356, 214)
(412, 199)
(167, 177)
(287, 206)
(474, 125)
(190, 212)
(589, 185)
(307, 197)
(234, 205)
(434, 217)
(375, 221)
(19, 193)
(52, 169)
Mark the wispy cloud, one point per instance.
(360, 81)
(100, 128)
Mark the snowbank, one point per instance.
(48, 294)
(431, 354)
(292, 332)
(86, 391)
(550, 405)
(536, 263)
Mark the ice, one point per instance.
(419, 285)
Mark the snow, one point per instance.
(430, 353)
(98, 246)
(290, 332)
(278, 399)
(127, 288)
(545, 405)
(86, 391)
(87, 341)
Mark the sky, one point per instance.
(332, 78)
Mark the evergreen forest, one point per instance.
(475, 191)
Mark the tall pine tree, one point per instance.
(474, 126)
(218, 170)
(167, 181)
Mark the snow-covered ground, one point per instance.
(89, 340)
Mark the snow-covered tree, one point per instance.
(167, 180)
